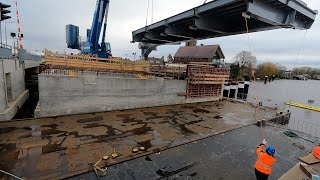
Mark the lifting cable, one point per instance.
(258, 110)
(300, 48)
(147, 13)
(148, 7)
(152, 12)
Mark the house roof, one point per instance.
(207, 51)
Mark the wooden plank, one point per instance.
(294, 173)
(309, 171)
(310, 159)
(211, 75)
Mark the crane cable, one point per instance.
(152, 12)
(147, 13)
(300, 46)
(258, 110)
(148, 7)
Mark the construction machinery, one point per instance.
(91, 45)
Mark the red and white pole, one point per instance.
(19, 27)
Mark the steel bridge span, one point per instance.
(224, 18)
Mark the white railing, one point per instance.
(5, 46)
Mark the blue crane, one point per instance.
(91, 45)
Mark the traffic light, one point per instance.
(4, 11)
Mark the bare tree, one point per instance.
(245, 59)
(246, 62)
(169, 58)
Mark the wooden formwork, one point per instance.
(205, 81)
(86, 62)
(168, 71)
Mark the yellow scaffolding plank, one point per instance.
(303, 106)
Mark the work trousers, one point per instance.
(261, 176)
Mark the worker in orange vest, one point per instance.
(265, 161)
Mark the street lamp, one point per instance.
(5, 30)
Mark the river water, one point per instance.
(275, 93)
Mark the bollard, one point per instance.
(265, 79)
(246, 89)
(240, 94)
(226, 90)
(233, 91)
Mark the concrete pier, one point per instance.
(12, 88)
(13, 93)
(66, 95)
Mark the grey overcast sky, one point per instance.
(43, 25)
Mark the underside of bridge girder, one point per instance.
(226, 17)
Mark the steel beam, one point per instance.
(210, 23)
(224, 18)
(178, 32)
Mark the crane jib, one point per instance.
(98, 27)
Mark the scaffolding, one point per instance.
(91, 63)
(205, 81)
(173, 72)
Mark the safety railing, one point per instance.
(269, 103)
(82, 73)
(310, 128)
(5, 46)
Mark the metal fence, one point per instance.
(268, 113)
(305, 127)
(269, 103)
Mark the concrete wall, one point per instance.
(65, 95)
(16, 71)
(24, 55)
(18, 91)
(31, 64)
(5, 53)
(2, 91)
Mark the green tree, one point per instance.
(235, 71)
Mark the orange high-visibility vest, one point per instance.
(316, 152)
(264, 162)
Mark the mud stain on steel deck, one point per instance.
(49, 148)
(218, 117)
(88, 120)
(142, 130)
(166, 174)
(200, 111)
(146, 144)
(51, 132)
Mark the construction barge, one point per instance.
(65, 146)
(96, 112)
